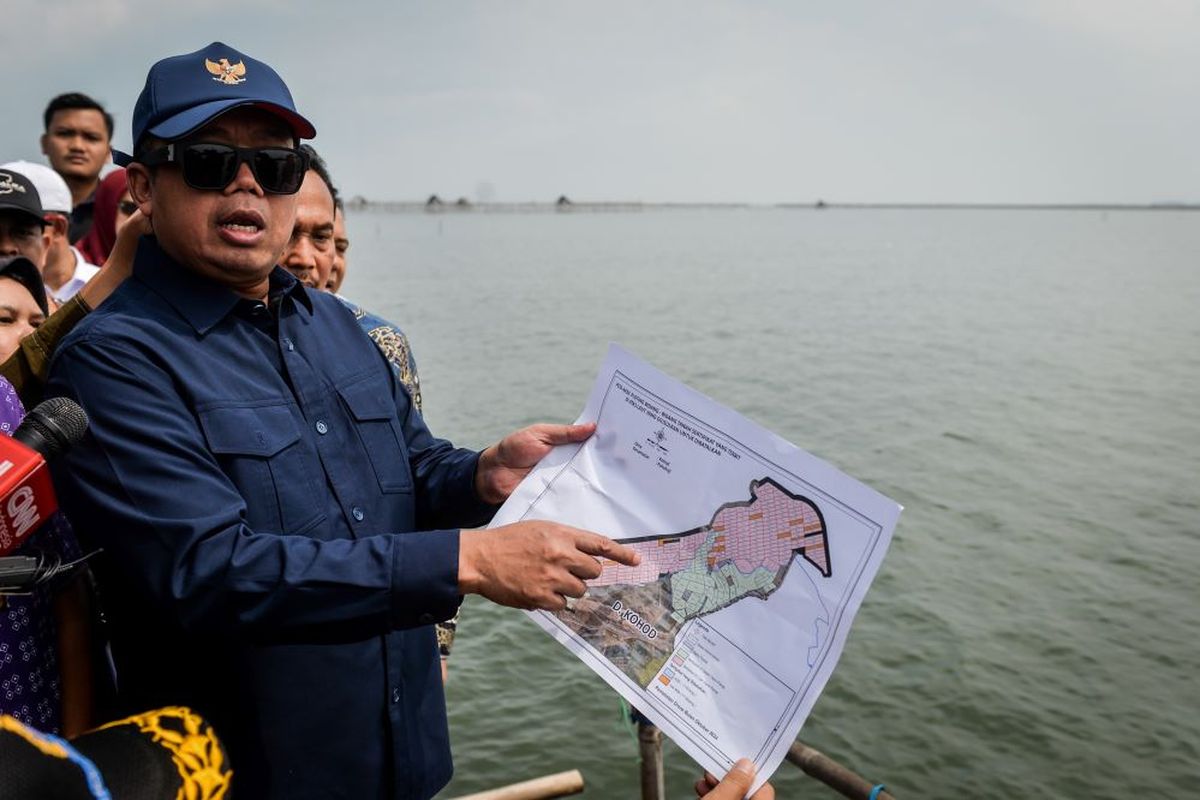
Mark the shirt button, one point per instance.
(288, 344)
(358, 513)
(322, 428)
(396, 695)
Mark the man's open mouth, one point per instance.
(245, 221)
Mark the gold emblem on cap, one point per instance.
(225, 72)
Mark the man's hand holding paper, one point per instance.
(535, 564)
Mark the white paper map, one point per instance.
(755, 558)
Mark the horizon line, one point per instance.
(435, 203)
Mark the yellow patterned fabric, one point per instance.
(193, 746)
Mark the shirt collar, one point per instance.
(83, 268)
(199, 300)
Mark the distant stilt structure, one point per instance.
(434, 203)
(563, 203)
(462, 202)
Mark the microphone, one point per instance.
(53, 427)
(26, 491)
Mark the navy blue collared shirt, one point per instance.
(279, 527)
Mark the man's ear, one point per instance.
(42, 141)
(59, 225)
(141, 186)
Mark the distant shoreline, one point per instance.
(462, 206)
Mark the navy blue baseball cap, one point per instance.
(183, 93)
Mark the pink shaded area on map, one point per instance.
(761, 534)
(668, 554)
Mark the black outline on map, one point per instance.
(793, 706)
(754, 484)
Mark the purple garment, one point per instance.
(30, 682)
(11, 410)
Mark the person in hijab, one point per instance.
(110, 195)
(45, 670)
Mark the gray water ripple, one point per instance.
(1026, 384)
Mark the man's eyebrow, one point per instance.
(8, 308)
(216, 127)
(272, 130)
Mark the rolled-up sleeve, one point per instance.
(26, 369)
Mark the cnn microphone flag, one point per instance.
(26, 493)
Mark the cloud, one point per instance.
(1039, 100)
(1154, 28)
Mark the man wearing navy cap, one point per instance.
(280, 528)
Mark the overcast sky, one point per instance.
(688, 100)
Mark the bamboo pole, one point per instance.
(650, 749)
(829, 772)
(561, 784)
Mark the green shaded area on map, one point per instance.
(632, 614)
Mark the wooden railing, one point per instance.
(813, 762)
(562, 784)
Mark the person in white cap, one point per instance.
(66, 270)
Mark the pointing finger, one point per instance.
(596, 545)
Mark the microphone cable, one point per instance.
(20, 575)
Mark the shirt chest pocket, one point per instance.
(374, 412)
(260, 450)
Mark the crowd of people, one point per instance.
(283, 544)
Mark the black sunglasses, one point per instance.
(278, 170)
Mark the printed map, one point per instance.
(632, 614)
(755, 559)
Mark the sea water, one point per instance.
(1026, 383)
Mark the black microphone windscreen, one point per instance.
(52, 427)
